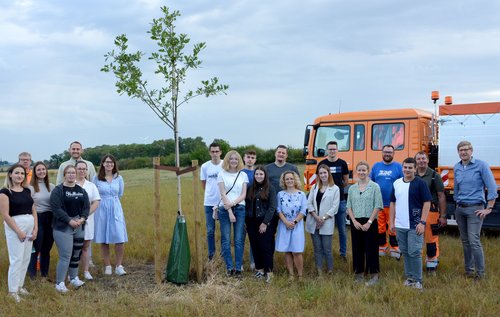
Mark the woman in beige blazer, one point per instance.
(323, 204)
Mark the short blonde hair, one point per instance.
(296, 180)
(225, 162)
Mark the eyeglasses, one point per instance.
(386, 152)
(464, 150)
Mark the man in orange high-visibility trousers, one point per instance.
(384, 174)
(437, 213)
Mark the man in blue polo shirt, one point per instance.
(384, 174)
(410, 204)
(472, 176)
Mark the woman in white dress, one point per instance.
(94, 198)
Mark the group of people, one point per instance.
(84, 206)
(403, 202)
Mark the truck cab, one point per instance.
(361, 136)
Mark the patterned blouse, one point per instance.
(363, 203)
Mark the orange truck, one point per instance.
(361, 135)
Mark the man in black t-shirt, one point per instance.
(340, 173)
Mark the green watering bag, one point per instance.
(179, 257)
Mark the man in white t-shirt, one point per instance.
(208, 176)
(410, 204)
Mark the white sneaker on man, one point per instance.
(61, 288)
(108, 270)
(119, 270)
(76, 282)
(87, 276)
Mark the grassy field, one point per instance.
(448, 293)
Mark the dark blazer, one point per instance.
(263, 208)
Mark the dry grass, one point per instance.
(447, 293)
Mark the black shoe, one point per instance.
(238, 274)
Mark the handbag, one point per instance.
(215, 209)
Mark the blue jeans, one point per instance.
(210, 222)
(239, 236)
(410, 245)
(340, 222)
(469, 226)
(322, 245)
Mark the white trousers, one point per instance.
(19, 252)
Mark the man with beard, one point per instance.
(274, 171)
(384, 174)
(76, 151)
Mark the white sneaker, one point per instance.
(76, 282)
(15, 297)
(408, 282)
(23, 291)
(87, 276)
(61, 288)
(418, 285)
(119, 270)
(108, 270)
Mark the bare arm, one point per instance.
(34, 233)
(345, 181)
(392, 213)
(442, 208)
(93, 206)
(203, 184)
(420, 229)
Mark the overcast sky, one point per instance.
(285, 61)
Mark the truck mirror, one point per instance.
(321, 152)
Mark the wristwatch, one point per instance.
(489, 207)
(324, 218)
(423, 222)
(295, 222)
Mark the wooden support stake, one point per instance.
(198, 257)
(157, 226)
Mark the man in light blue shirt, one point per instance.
(472, 176)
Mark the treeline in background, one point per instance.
(133, 156)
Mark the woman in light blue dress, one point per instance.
(291, 207)
(110, 225)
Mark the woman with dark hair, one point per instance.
(70, 205)
(323, 205)
(260, 208)
(110, 225)
(292, 207)
(21, 227)
(94, 198)
(40, 192)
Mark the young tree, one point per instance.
(172, 63)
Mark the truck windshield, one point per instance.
(325, 134)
